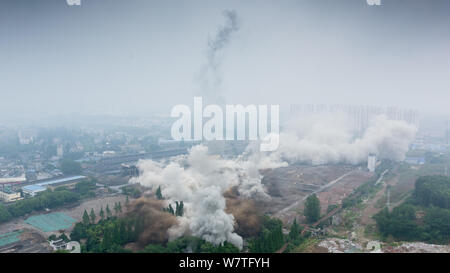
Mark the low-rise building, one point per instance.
(58, 244)
(7, 195)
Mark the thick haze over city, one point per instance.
(136, 57)
(224, 126)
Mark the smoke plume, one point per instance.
(328, 139)
(200, 180)
(210, 75)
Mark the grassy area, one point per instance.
(306, 246)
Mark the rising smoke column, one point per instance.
(210, 75)
(200, 181)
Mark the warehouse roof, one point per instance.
(42, 186)
(61, 180)
(34, 188)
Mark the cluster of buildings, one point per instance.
(8, 194)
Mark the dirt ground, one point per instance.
(30, 242)
(289, 187)
(96, 204)
(335, 194)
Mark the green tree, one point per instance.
(70, 167)
(433, 190)
(108, 212)
(127, 201)
(116, 208)
(4, 214)
(64, 237)
(270, 238)
(179, 209)
(400, 223)
(92, 216)
(159, 193)
(312, 209)
(78, 232)
(86, 220)
(294, 233)
(170, 209)
(102, 214)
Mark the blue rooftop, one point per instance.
(34, 188)
(42, 186)
(61, 180)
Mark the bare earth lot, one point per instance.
(289, 187)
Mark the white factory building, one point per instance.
(372, 162)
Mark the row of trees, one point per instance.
(46, 199)
(190, 244)
(179, 209)
(403, 224)
(179, 206)
(108, 235)
(91, 217)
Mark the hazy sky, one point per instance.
(130, 57)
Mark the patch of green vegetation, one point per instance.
(270, 238)
(371, 231)
(425, 216)
(368, 189)
(306, 245)
(190, 244)
(132, 191)
(108, 235)
(48, 199)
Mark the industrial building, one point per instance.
(51, 184)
